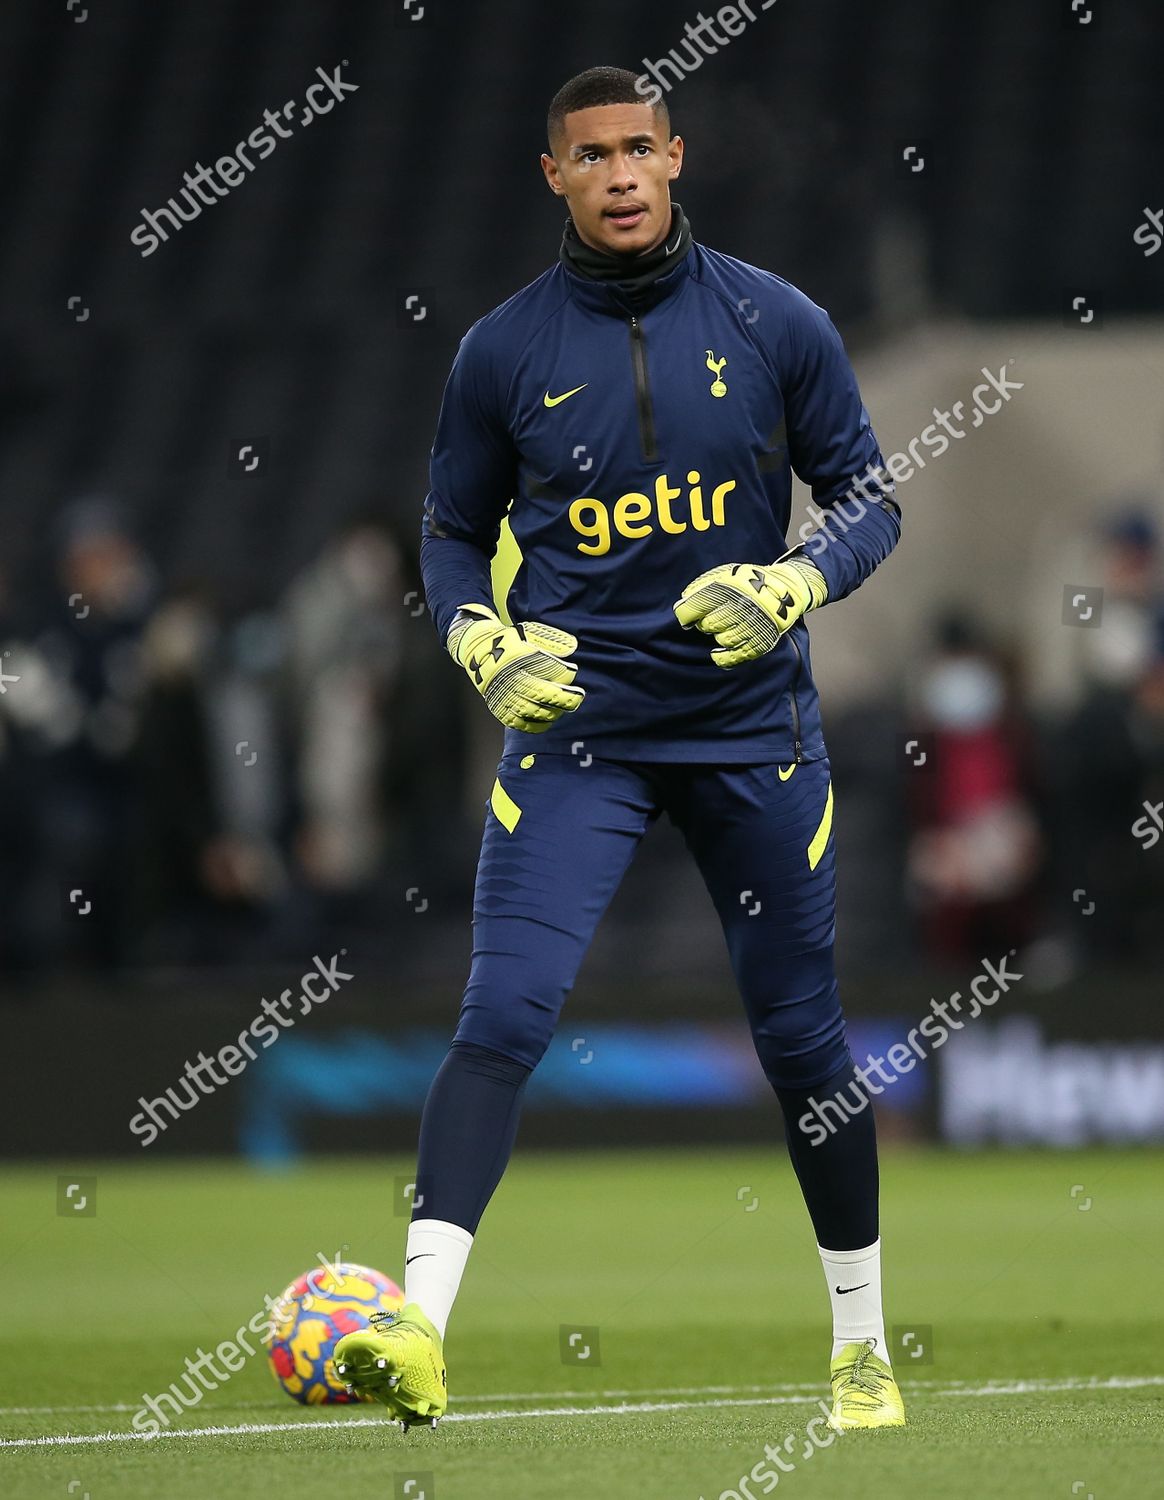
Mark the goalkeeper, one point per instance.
(644, 404)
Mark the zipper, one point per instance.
(642, 390)
(792, 697)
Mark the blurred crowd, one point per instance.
(1023, 833)
(181, 788)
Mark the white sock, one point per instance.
(434, 1262)
(854, 1278)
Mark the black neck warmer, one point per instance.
(630, 273)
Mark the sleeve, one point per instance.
(472, 475)
(833, 450)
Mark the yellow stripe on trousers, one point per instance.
(821, 837)
(504, 806)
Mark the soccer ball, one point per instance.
(311, 1317)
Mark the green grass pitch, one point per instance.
(1037, 1281)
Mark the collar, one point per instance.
(622, 284)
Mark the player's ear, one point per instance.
(674, 157)
(552, 175)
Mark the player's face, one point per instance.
(613, 165)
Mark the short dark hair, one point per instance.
(600, 86)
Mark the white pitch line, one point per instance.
(626, 1408)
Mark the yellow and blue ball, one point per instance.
(311, 1317)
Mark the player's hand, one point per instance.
(520, 670)
(747, 607)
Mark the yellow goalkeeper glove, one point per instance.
(749, 606)
(519, 670)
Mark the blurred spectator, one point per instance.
(198, 877)
(1117, 653)
(975, 850)
(343, 618)
(21, 789)
(1111, 749)
(248, 864)
(85, 666)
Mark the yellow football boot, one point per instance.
(865, 1393)
(399, 1360)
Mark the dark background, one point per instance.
(162, 604)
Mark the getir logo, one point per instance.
(635, 514)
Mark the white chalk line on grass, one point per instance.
(625, 1408)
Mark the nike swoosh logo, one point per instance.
(421, 1256)
(565, 396)
(843, 1291)
(783, 774)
